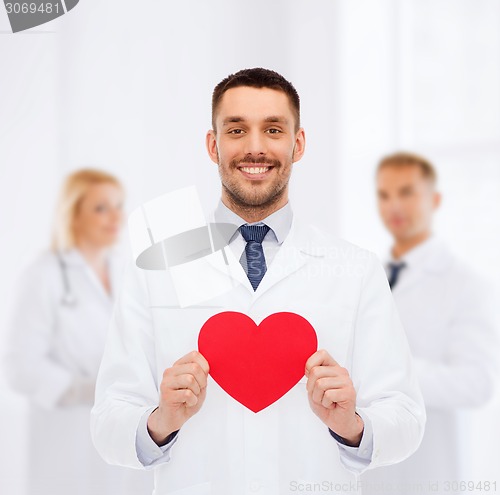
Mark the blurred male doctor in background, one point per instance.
(447, 312)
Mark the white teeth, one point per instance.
(255, 170)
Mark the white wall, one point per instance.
(126, 86)
(30, 171)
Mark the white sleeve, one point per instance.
(356, 459)
(29, 367)
(388, 396)
(465, 377)
(148, 452)
(127, 387)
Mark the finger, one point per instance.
(180, 397)
(327, 398)
(319, 372)
(320, 358)
(327, 402)
(195, 357)
(202, 362)
(327, 383)
(185, 382)
(335, 397)
(317, 395)
(193, 369)
(202, 395)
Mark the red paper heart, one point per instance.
(256, 365)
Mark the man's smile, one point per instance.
(255, 171)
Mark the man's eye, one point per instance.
(273, 131)
(236, 131)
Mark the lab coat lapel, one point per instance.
(76, 259)
(412, 277)
(439, 260)
(435, 262)
(297, 249)
(116, 265)
(225, 261)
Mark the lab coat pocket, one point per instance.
(199, 489)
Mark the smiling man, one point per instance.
(357, 406)
(256, 137)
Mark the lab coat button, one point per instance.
(255, 486)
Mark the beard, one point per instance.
(247, 195)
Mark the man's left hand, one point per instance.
(332, 397)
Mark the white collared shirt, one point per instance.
(412, 259)
(279, 224)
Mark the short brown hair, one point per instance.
(405, 159)
(257, 78)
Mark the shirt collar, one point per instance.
(279, 222)
(418, 254)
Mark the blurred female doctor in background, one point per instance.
(58, 328)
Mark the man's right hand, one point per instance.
(182, 392)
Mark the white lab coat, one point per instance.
(448, 314)
(53, 348)
(226, 449)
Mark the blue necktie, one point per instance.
(395, 269)
(256, 263)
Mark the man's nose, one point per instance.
(394, 205)
(255, 144)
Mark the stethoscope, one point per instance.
(69, 300)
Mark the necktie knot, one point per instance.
(255, 233)
(395, 269)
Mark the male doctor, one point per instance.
(447, 312)
(358, 405)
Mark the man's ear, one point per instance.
(211, 142)
(300, 145)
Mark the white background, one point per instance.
(126, 86)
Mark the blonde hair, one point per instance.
(73, 191)
(404, 159)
